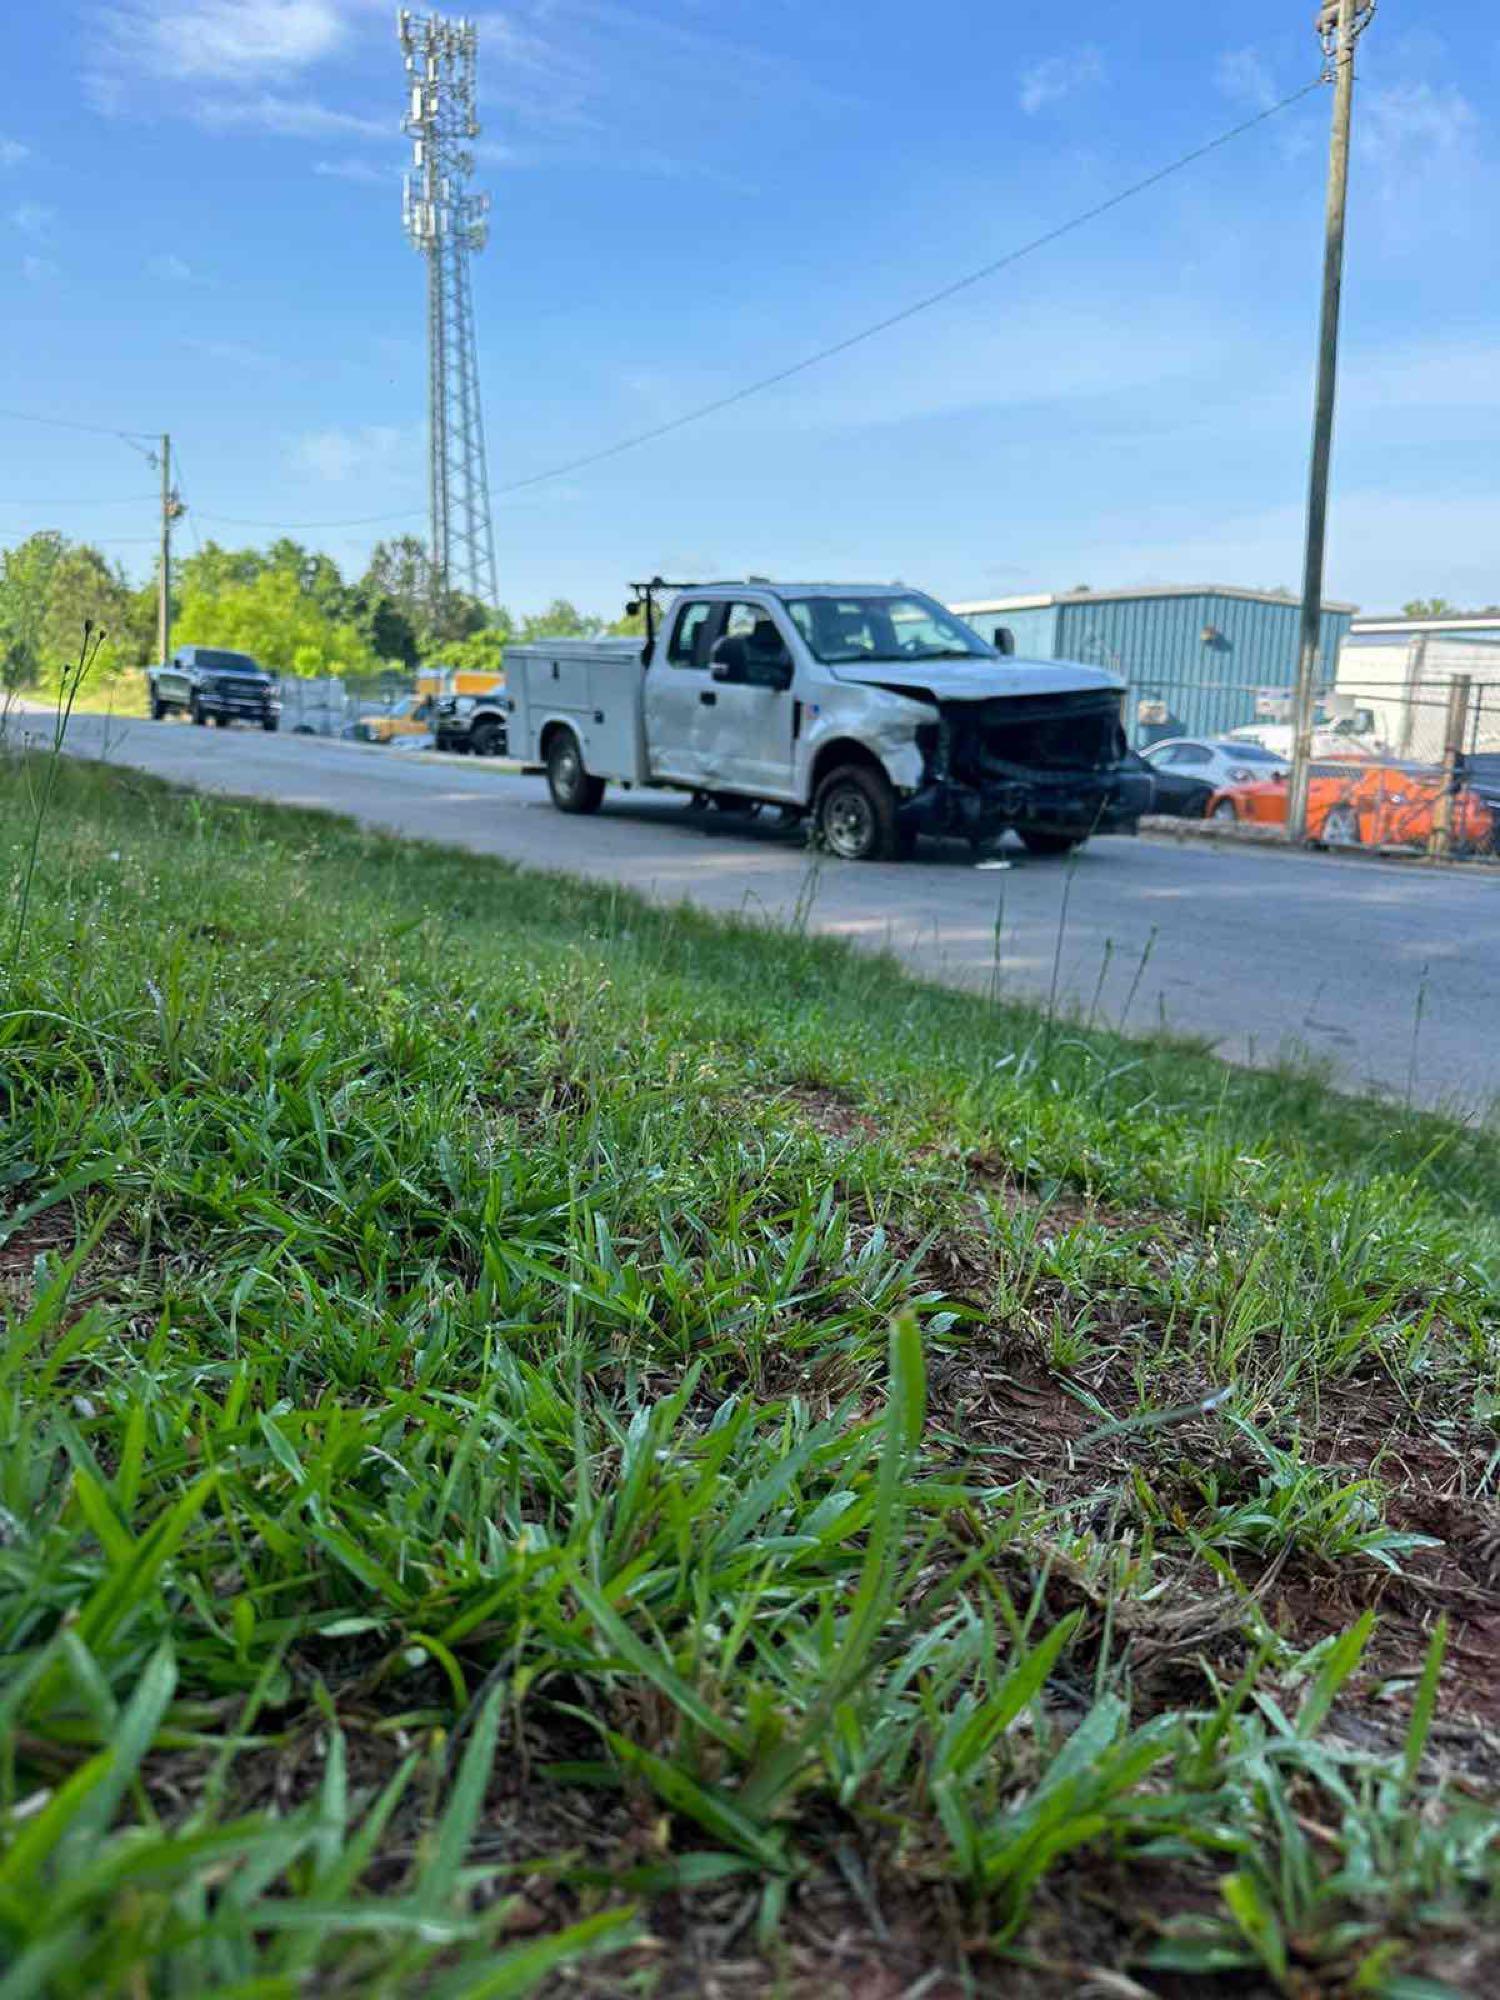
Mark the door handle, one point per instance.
(708, 697)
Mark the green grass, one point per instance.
(550, 1444)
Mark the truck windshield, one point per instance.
(215, 662)
(842, 630)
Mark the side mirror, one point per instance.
(1005, 640)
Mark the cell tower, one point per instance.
(446, 222)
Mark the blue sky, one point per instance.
(200, 230)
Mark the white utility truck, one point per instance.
(867, 707)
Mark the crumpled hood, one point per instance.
(981, 680)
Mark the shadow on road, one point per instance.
(767, 829)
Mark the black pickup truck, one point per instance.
(212, 685)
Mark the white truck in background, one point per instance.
(867, 708)
(1402, 678)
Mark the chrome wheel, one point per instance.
(849, 823)
(574, 788)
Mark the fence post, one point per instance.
(1455, 729)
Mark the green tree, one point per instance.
(25, 580)
(561, 620)
(278, 621)
(1429, 607)
(49, 589)
(482, 652)
(385, 627)
(83, 588)
(212, 569)
(400, 570)
(316, 575)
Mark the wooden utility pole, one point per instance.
(1455, 730)
(164, 582)
(1340, 23)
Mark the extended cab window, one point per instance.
(755, 625)
(686, 649)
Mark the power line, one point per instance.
(921, 305)
(116, 500)
(134, 438)
(761, 383)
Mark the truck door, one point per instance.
(744, 733)
(677, 683)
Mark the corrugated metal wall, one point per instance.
(1158, 645)
(1035, 631)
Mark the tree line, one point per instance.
(287, 604)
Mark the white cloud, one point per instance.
(36, 269)
(33, 218)
(1422, 180)
(1384, 546)
(225, 41)
(353, 170)
(12, 152)
(1408, 129)
(172, 270)
(1245, 76)
(1058, 77)
(286, 117)
(364, 453)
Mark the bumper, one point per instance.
(242, 711)
(1076, 805)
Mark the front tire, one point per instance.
(487, 739)
(270, 724)
(1040, 843)
(573, 789)
(159, 710)
(195, 710)
(855, 815)
(1225, 813)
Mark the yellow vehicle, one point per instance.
(418, 714)
(410, 716)
(459, 680)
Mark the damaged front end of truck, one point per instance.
(1052, 764)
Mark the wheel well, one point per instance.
(550, 735)
(843, 750)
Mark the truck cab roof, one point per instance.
(771, 589)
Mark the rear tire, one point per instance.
(221, 722)
(1040, 843)
(855, 815)
(271, 724)
(573, 789)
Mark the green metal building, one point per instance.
(1195, 655)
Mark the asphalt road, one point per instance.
(1388, 974)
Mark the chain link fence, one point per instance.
(1401, 763)
(340, 706)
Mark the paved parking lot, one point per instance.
(1387, 973)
